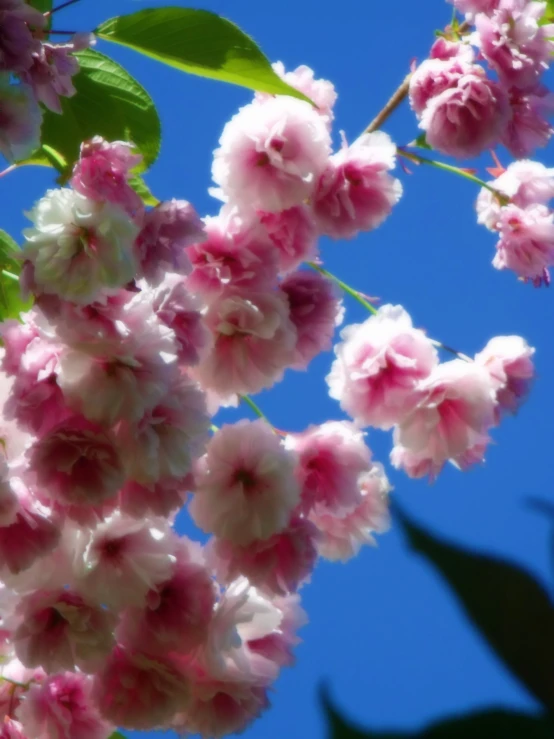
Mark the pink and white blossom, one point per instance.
(508, 360)
(379, 366)
(76, 464)
(341, 537)
(177, 612)
(62, 706)
(254, 342)
(278, 565)
(79, 247)
(356, 192)
(139, 692)
(331, 457)
(529, 127)
(449, 423)
(320, 91)
(58, 630)
(166, 231)
(271, 154)
(245, 485)
(17, 43)
(315, 310)
(102, 173)
(526, 243)
(121, 560)
(294, 234)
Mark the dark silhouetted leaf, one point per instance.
(508, 606)
(489, 724)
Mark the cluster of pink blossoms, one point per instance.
(387, 375)
(43, 70)
(144, 323)
(461, 109)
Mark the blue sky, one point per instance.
(384, 633)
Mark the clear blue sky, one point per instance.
(384, 632)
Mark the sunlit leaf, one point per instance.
(198, 42)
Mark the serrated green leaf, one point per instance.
(11, 303)
(488, 724)
(509, 607)
(198, 42)
(9, 248)
(141, 188)
(109, 103)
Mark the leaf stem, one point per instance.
(8, 170)
(257, 410)
(343, 286)
(60, 7)
(417, 159)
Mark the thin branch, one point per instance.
(60, 7)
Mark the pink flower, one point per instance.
(159, 499)
(379, 366)
(450, 422)
(471, 7)
(168, 437)
(138, 692)
(340, 537)
(166, 230)
(445, 49)
(315, 310)
(9, 504)
(102, 173)
(513, 42)
(526, 243)
(76, 464)
(320, 91)
(529, 128)
(32, 535)
(356, 192)
(467, 118)
(10, 729)
(231, 257)
(79, 247)
(20, 120)
(271, 154)
(220, 708)
(293, 232)
(526, 183)
(254, 341)
(277, 565)
(245, 486)
(50, 74)
(121, 560)
(242, 616)
(17, 42)
(58, 630)
(439, 73)
(508, 361)
(16, 337)
(62, 707)
(180, 310)
(331, 457)
(36, 401)
(177, 613)
(277, 646)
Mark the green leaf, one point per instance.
(43, 5)
(489, 724)
(548, 16)
(198, 42)
(141, 188)
(421, 142)
(509, 607)
(11, 303)
(116, 735)
(110, 103)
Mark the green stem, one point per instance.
(10, 275)
(257, 410)
(343, 286)
(454, 170)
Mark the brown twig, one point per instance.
(61, 7)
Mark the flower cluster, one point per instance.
(144, 323)
(462, 109)
(43, 71)
(524, 222)
(387, 375)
